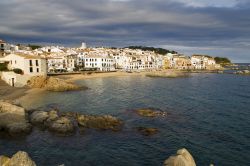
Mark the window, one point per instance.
(31, 69)
(37, 70)
(15, 61)
(30, 62)
(86, 60)
(95, 59)
(37, 63)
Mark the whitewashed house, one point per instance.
(56, 64)
(99, 63)
(28, 65)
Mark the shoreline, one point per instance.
(76, 77)
(18, 94)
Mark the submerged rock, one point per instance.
(105, 122)
(19, 128)
(52, 84)
(182, 158)
(147, 131)
(147, 112)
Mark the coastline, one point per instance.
(76, 77)
(25, 93)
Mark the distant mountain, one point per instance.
(161, 51)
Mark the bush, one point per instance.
(3, 67)
(18, 71)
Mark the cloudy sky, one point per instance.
(214, 27)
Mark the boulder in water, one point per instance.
(13, 119)
(21, 159)
(62, 125)
(105, 122)
(182, 158)
(39, 117)
(19, 128)
(4, 161)
(147, 131)
(147, 112)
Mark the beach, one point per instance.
(75, 77)
(11, 93)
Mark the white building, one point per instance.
(2, 48)
(26, 64)
(56, 64)
(99, 63)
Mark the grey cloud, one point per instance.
(134, 22)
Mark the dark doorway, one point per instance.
(12, 82)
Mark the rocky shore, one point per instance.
(15, 120)
(243, 72)
(19, 159)
(182, 158)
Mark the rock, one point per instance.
(105, 122)
(150, 112)
(246, 71)
(52, 84)
(147, 131)
(39, 117)
(240, 72)
(62, 125)
(4, 161)
(13, 119)
(182, 158)
(6, 107)
(21, 159)
(19, 128)
(52, 116)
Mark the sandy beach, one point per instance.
(11, 93)
(75, 77)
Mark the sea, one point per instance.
(208, 114)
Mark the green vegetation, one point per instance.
(33, 47)
(161, 51)
(208, 56)
(3, 67)
(18, 71)
(222, 60)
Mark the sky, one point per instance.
(213, 27)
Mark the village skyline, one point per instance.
(212, 27)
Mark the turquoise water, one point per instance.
(209, 114)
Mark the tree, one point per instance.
(3, 67)
(161, 51)
(222, 60)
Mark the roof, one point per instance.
(26, 56)
(1, 41)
